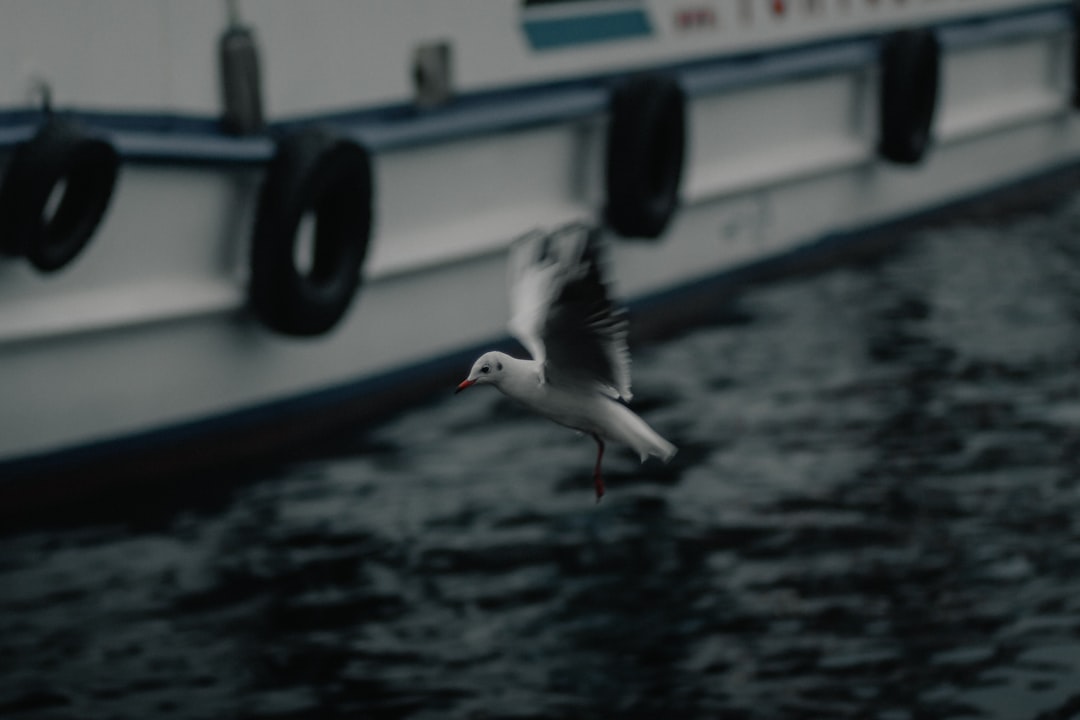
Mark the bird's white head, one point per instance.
(488, 368)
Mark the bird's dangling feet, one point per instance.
(599, 481)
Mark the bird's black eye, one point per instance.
(486, 369)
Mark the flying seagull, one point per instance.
(579, 374)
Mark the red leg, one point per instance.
(596, 471)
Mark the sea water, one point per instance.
(874, 513)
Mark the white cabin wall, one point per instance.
(161, 56)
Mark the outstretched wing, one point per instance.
(533, 278)
(561, 310)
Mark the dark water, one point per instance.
(875, 513)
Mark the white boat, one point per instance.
(184, 310)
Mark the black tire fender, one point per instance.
(56, 190)
(910, 69)
(313, 173)
(645, 153)
(1075, 48)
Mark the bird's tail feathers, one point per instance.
(658, 447)
(636, 433)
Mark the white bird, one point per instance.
(579, 374)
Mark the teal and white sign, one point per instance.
(554, 24)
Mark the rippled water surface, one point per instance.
(875, 513)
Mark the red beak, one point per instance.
(464, 384)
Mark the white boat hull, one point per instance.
(147, 335)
